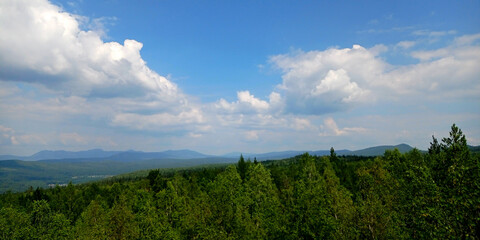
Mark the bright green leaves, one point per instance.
(48, 224)
(457, 175)
(263, 203)
(377, 218)
(92, 224)
(14, 224)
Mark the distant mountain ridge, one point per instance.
(99, 154)
(84, 166)
(169, 154)
(61, 154)
(379, 150)
(371, 151)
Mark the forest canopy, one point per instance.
(415, 195)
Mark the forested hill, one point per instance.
(413, 195)
(49, 168)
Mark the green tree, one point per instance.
(48, 224)
(417, 194)
(92, 223)
(171, 205)
(377, 189)
(435, 147)
(458, 177)
(229, 205)
(310, 214)
(153, 222)
(14, 224)
(340, 204)
(121, 221)
(333, 155)
(264, 206)
(242, 167)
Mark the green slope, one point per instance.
(380, 150)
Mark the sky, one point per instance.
(236, 76)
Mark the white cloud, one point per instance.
(159, 121)
(433, 33)
(62, 83)
(6, 130)
(405, 44)
(44, 46)
(467, 39)
(338, 83)
(40, 43)
(8, 136)
(450, 72)
(319, 82)
(429, 55)
(302, 124)
(72, 139)
(248, 103)
(331, 129)
(244, 97)
(251, 135)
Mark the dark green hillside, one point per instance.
(412, 195)
(474, 149)
(380, 150)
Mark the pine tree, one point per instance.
(242, 167)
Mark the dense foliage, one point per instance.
(434, 195)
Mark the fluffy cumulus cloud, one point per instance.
(46, 47)
(40, 43)
(334, 80)
(248, 103)
(320, 82)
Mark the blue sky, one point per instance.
(224, 76)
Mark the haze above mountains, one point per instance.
(99, 154)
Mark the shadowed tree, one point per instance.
(242, 167)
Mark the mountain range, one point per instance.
(125, 156)
(48, 168)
